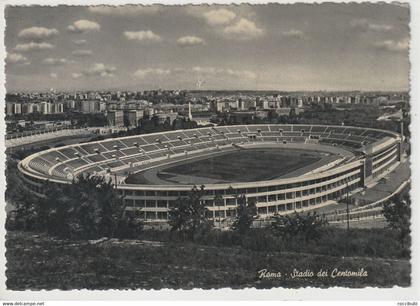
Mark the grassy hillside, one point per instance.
(36, 261)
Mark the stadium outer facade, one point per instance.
(373, 154)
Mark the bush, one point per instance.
(307, 226)
(397, 213)
(245, 215)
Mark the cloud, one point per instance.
(219, 17)
(100, 69)
(83, 25)
(293, 34)
(82, 53)
(143, 36)
(209, 71)
(189, 41)
(206, 70)
(365, 25)
(124, 10)
(16, 58)
(96, 70)
(80, 41)
(393, 45)
(380, 27)
(143, 73)
(243, 29)
(242, 74)
(76, 75)
(33, 46)
(37, 33)
(55, 61)
(229, 24)
(53, 75)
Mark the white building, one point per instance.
(45, 108)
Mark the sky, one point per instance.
(289, 47)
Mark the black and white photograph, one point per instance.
(207, 146)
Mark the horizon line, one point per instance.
(205, 90)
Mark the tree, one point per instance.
(272, 116)
(397, 213)
(88, 208)
(130, 226)
(291, 226)
(245, 214)
(178, 123)
(292, 115)
(189, 215)
(22, 216)
(126, 120)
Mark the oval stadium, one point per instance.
(283, 168)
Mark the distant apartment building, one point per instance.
(18, 108)
(35, 108)
(131, 105)
(70, 105)
(115, 118)
(112, 106)
(13, 108)
(245, 105)
(380, 100)
(366, 100)
(149, 111)
(29, 108)
(90, 106)
(225, 105)
(102, 106)
(299, 102)
(263, 104)
(45, 108)
(134, 116)
(170, 117)
(293, 101)
(58, 108)
(9, 108)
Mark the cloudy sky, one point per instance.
(281, 47)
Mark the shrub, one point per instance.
(308, 226)
(189, 216)
(245, 215)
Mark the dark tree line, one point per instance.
(87, 208)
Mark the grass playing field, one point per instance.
(238, 166)
(248, 165)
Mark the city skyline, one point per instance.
(328, 47)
